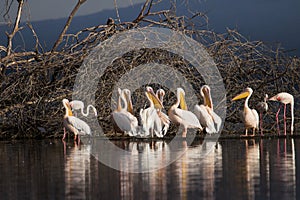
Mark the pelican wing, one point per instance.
(148, 118)
(157, 125)
(188, 118)
(122, 120)
(205, 118)
(217, 119)
(165, 121)
(256, 117)
(80, 125)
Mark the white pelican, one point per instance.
(160, 93)
(79, 105)
(74, 124)
(182, 116)
(123, 119)
(150, 119)
(205, 112)
(262, 107)
(250, 116)
(284, 98)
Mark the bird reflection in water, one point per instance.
(77, 169)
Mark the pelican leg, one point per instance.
(246, 132)
(65, 133)
(253, 133)
(277, 119)
(184, 132)
(78, 138)
(261, 121)
(284, 118)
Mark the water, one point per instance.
(234, 169)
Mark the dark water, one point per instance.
(234, 169)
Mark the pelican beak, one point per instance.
(183, 105)
(207, 99)
(241, 96)
(157, 103)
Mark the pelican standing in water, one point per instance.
(205, 112)
(79, 105)
(151, 122)
(123, 120)
(74, 124)
(182, 116)
(250, 116)
(262, 107)
(284, 98)
(160, 93)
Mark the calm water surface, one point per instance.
(234, 169)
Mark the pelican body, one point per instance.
(181, 115)
(160, 93)
(151, 122)
(74, 124)
(284, 98)
(122, 118)
(205, 113)
(249, 116)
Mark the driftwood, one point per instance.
(33, 84)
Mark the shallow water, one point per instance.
(234, 169)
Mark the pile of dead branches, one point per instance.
(33, 84)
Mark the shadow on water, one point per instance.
(234, 169)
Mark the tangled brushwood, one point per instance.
(33, 84)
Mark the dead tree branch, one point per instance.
(66, 27)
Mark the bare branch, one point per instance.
(66, 27)
(16, 27)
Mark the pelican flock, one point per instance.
(154, 122)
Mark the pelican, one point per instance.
(74, 124)
(79, 105)
(151, 122)
(160, 93)
(284, 98)
(205, 112)
(250, 116)
(262, 107)
(123, 119)
(182, 116)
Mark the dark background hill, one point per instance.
(274, 22)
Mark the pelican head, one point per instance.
(205, 93)
(180, 97)
(66, 104)
(127, 94)
(151, 95)
(160, 93)
(246, 93)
